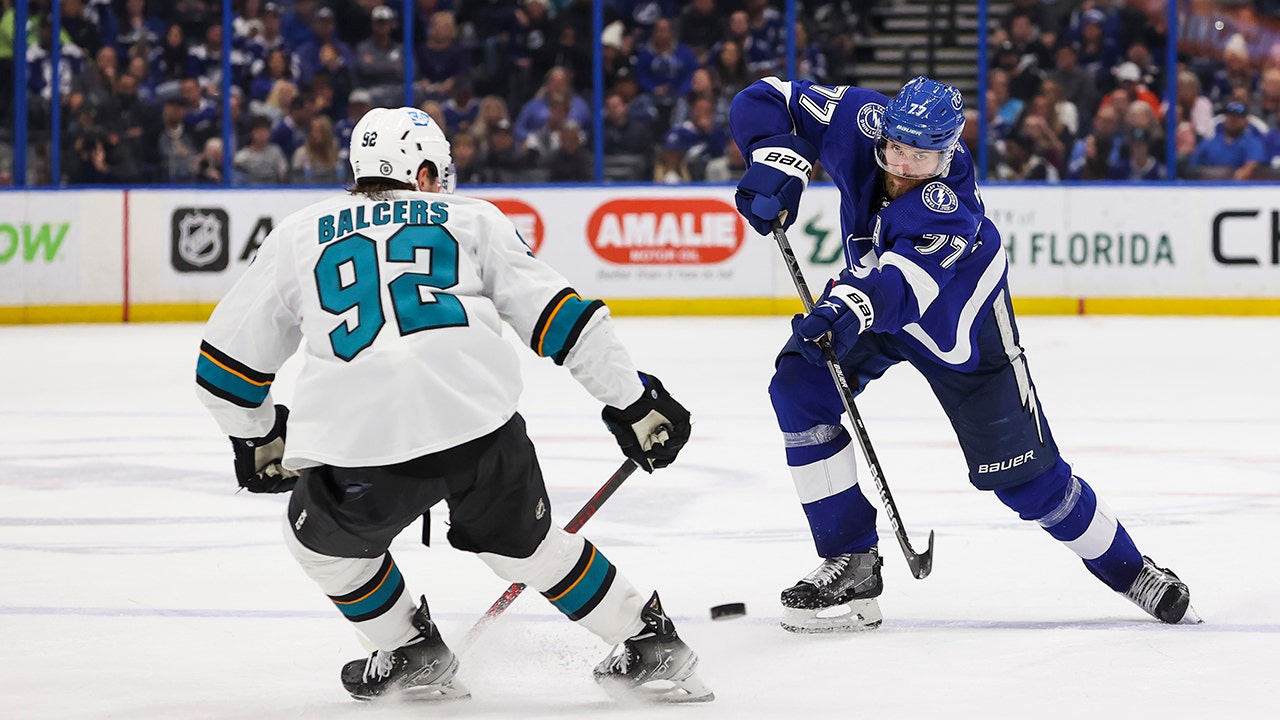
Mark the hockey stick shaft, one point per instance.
(920, 564)
(575, 524)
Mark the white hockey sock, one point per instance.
(824, 478)
(580, 581)
(370, 592)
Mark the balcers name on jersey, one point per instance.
(398, 212)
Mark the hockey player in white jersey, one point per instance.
(407, 396)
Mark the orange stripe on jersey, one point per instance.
(551, 318)
(240, 375)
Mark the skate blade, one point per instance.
(421, 694)
(1191, 617)
(690, 689)
(436, 693)
(854, 616)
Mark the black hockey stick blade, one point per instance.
(921, 564)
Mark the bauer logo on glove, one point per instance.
(840, 316)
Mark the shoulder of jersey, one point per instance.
(865, 109)
(939, 197)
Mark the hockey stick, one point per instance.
(920, 563)
(500, 605)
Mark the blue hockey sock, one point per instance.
(1067, 508)
(822, 466)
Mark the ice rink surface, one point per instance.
(138, 584)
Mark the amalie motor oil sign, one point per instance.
(665, 231)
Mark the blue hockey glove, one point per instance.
(772, 185)
(843, 311)
(258, 467)
(652, 430)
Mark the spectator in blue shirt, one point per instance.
(533, 116)
(664, 68)
(442, 59)
(1136, 161)
(296, 26)
(640, 16)
(768, 29)
(324, 27)
(1271, 143)
(1233, 151)
(132, 27)
(1093, 155)
(700, 137)
(290, 131)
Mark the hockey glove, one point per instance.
(843, 312)
(772, 185)
(258, 467)
(650, 430)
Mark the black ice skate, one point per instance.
(1162, 594)
(422, 669)
(839, 596)
(654, 665)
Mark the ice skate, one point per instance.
(655, 665)
(423, 669)
(1162, 594)
(839, 596)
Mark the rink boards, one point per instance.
(164, 254)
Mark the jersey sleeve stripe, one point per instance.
(230, 380)
(923, 286)
(234, 366)
(561, 323)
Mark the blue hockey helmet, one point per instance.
(927, 117)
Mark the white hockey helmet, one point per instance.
(392, 143)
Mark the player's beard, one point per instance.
(896, 186)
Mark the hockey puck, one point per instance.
(728, 611)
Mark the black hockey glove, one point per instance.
(258, 467)
(650, 430)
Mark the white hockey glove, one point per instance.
(258, 467)
(652, 430)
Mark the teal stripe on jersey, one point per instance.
(563, 330)
(229, 385)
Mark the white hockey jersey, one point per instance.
(398, 304)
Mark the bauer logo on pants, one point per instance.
(200, 241)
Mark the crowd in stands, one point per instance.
(1074, 92)
(510, 80)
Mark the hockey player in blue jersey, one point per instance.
(926, 284)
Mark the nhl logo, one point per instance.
(200, 240)
(940, 198)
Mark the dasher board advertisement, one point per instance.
(189, 247)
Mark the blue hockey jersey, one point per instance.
(929, 261)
